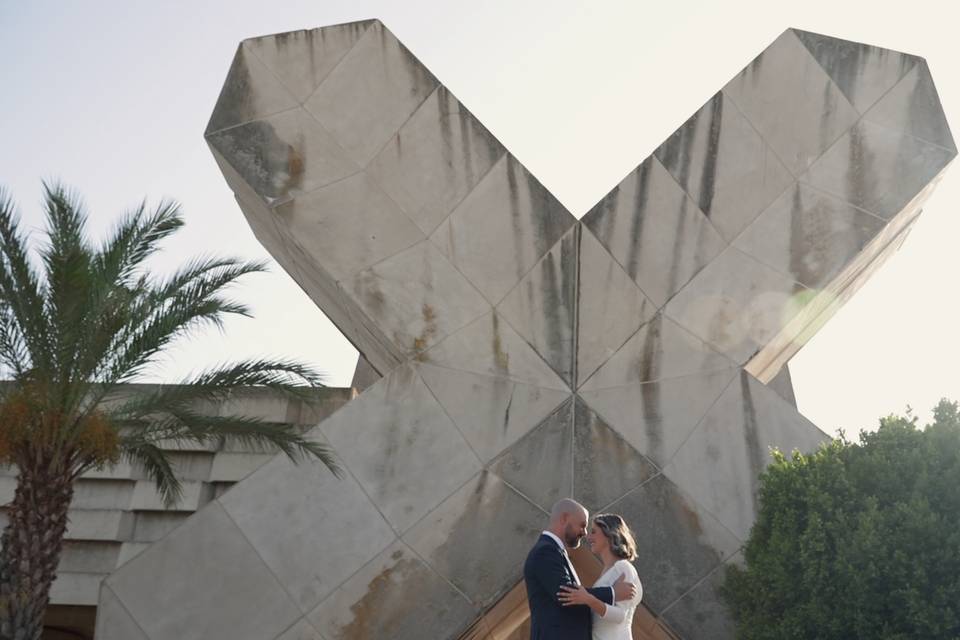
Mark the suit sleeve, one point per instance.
(550, 572)
(603, 594)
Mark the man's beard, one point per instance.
(572, 540)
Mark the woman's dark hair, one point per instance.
(616, 531)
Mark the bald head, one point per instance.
(566, 506)
(568, 521)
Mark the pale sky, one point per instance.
(113, 97)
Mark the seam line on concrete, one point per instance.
(699, 582)
(686, 195)
(366, 32)
(452, 421)
(914, 61)
(322, 80)
(116, 596)
(739, 371)
(256, 551)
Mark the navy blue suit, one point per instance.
(544, 572)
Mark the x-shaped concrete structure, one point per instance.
(622, 359)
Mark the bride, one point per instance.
(611, 540)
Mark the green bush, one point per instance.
(857, 540)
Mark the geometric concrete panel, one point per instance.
(785, 83)
(215, 570)
(113, 620)
(425, 297)
(678, 544)
(661, 349)
(878, 169)
(301, 60)
(301, 630)
(345, 244)
(611, 308)
(370, 93)
(657, 417)
(427, 169)
(491, 520)
(736, 434)
(491, 412)
(542, 308)
(605, 465)
(809, 235)
(283, 155)
(251, 92)
(524, 357)
(489, 346)
(384, 437)
(701, 612)
(322, 541)
(782, 384)
(547, 446)
(502, 228)
(862, 72)
(654, 230)
(913, 107)
(396, 595)
(724, 165)
(754, 301)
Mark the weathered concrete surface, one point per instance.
(116, 513)
(622, 359)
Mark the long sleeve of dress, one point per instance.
(617, 612)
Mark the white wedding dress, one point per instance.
(616, 623)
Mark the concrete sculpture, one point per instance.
(525, 355)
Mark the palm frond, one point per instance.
(20, 287)
(135, 238)
(71, 285)
(139, 349)
(203, 278)
(14, 354)
(187, 425)
(170, 310)
(283, 375)
(156, 464)
(118, 283)
(287, 377)
(93, 318)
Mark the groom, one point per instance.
(548, 567)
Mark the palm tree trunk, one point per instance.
(32, 543)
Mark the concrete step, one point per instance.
(99, 524)
(89, 556)
(76, 588)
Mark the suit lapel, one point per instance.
(571, 572)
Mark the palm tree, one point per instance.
(76, 321)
